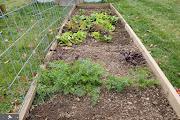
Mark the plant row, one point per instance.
(83, 77)
(100, 25)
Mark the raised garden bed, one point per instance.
(107, 67)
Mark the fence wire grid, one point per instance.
(26, 33)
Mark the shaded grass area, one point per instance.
(156, 22)
(30, 30)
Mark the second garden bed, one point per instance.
(97, 72)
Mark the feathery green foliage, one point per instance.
(79, 78)
(83, 77)
(143, 78)
(117, 83)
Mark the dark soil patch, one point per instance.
(132, 104)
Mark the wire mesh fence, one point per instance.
(26, 33)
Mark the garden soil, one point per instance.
(131, 104)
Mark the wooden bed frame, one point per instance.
(173, 97)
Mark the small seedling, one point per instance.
(104, 38)
(81, 11)
(96, 35)
(107, 38)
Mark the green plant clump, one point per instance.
(100, 24)
(65, 38)
(117, 83)
(83, 77)
(100, 37)
(96, 35)
(69, 38)
(79, 23)
(107, 21)
(144, 79)
(79, 78)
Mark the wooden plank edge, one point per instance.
(171, 93)
(32, 90)
(55, 43)
(28, 101)
(50, 52)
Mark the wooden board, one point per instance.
(171, 93)
(50, 52)
(28, 101)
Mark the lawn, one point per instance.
(157, 23)
(26, 32)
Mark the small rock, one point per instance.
(74, 107)
(130, 103)
(78, 99)
(130, 95)
(155, 102)
(66, 48)
(147, 98)
(110, 118)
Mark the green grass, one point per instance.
(156, 22)
(14, 25)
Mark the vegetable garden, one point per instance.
(97, 72)
(78, 62)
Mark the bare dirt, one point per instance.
(118, 57)
(131, 104)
